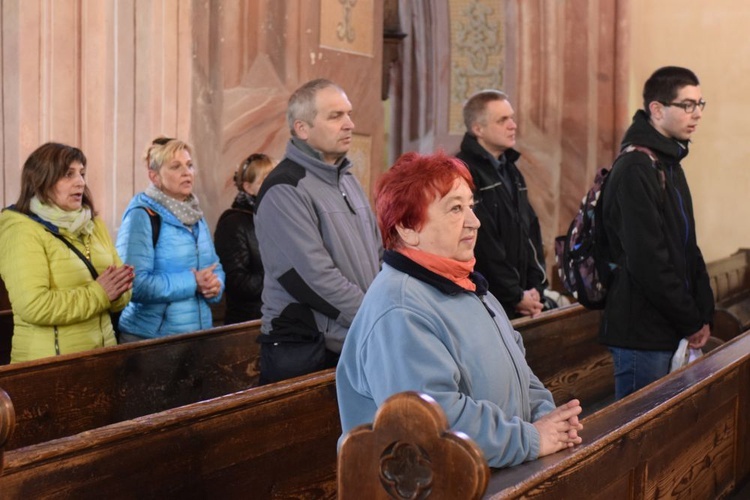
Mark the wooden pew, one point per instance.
(563, 350)
(730, 282)
(65, 395)
(684, 436)
(730, 275)
(732, 316)
(7, 423)
(101, 412)
(279, 441)
(275, 441)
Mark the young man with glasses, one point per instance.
(660, 291)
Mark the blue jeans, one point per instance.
(636, 368)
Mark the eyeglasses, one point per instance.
(687, 106)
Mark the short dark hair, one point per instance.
(43, 168)
(665, 83)
(475, 109)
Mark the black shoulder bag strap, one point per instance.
(114, 317)
(70, 245)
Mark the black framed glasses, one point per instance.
(687, 106)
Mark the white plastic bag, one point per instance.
(684, 355)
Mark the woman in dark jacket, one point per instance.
(237, 245)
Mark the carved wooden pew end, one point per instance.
(7, 422)
(409, 452)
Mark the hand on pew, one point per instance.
(699, 338)
(559, 428)
(531, 303)
(116, 281)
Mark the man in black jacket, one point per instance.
(509, 243)
(660, 291)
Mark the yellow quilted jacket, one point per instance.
(58, 308)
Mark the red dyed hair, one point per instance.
(405, 191)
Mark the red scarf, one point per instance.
(454, 270)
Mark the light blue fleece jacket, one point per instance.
(165, 295)
(410, 335)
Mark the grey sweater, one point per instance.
(319, 243)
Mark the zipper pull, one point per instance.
(351, 209)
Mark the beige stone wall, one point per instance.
(711, 39)
(110, 75)
(105, 76)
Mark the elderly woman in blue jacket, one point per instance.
(165, 237)
(428, 324)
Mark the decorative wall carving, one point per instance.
(346, 25)
(477, 53)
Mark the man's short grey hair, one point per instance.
(475, 109)
(302, 102)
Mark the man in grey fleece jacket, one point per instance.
(318, 238)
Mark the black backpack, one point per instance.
(582, 258)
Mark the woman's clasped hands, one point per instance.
(116, 280)
(209, 284)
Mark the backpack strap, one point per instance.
(654, 161)
(155, 224)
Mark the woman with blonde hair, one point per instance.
(63, 275)
(237, 244)
(165, 237)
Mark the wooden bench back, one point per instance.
(62, 396)
(732, 316)
(563, 350)
(730, 275)
(684, 436)
(65, 395)
(275, 441)
(410, 452)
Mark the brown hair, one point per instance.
(43, 168)
(249, 169)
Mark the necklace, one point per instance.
(86, 240)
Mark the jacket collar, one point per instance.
(302, 154)
(642, 133)
(471, 145)
(404, 264)
(48, 225)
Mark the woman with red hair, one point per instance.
(428, 324)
